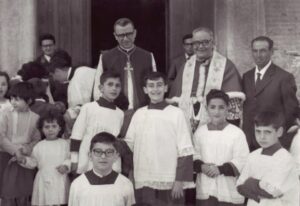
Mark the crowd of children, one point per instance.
(165, 153)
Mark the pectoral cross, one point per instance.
(128, 67)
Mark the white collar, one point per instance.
(48, 58)
(187, 56)
(263, 70)
(69, 73)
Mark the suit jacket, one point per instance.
(277, 92)
(176, 65)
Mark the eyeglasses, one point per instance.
(99, 152)
(48, 45)
(122, 36)
(204, 43)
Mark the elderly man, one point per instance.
(267, 87)
(130, 61)
(204, 71)
(178, 62)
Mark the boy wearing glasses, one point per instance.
(128, 60)
(160, 139)
(94, 117)
(102, 186)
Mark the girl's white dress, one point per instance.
(50, 186)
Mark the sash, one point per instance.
(213, 81)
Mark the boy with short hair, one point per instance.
(269, 176)
(94, 117)
(162, 148)
(102, 186)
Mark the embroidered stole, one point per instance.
(213, 81)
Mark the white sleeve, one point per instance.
(295, 150)
(245, 174)
(73, 195)
(240, 152)
(131, 132)
(281, 178)
(78, 130)
(197, 155)
(183, 136)
(130, 199)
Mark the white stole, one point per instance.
(213, 81)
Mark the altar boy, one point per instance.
(162, 148)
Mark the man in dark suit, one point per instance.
(267, 87)
(178, 62)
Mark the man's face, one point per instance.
(261, 53)
(125, 36)
(48, 47)
(188, 46)
(203, 45)
(266, 136)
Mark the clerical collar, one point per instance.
(271, 150)
(160, 105)
(107, 104)
(127, 51)
(95, 179)
(68, 76)
(204, 61)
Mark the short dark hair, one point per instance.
(109, 74)
(263, 38)
(123, 22)
(23, 90)
(217, 94)
(155, 76)
(60, 60)
(51, 116)
(187, 36)
(6, 76)
(46, 36)
(269, 118)
(106, 138)
(31, 70)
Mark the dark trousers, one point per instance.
(212, 201)
(152, 197)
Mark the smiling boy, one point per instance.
(269, 176)
(102, 186)
(162, 149)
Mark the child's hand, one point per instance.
(177, 190)
(21, 159)
(62, 169)
(26, 150)
(213, 171)
(206, 169)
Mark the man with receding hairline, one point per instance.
(206, 70)
(267, 86)
(130, 61)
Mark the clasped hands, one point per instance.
(210, 169)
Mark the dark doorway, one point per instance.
(149, 17)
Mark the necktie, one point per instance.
(258, 80)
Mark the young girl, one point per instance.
(221, 151)
(18, 135)
(4, 105)
(51, 156)
(4, 86)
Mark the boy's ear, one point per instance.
(100, 87)
(145, 90)
(166, 88)
(279, 131)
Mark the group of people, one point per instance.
(125, 134)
